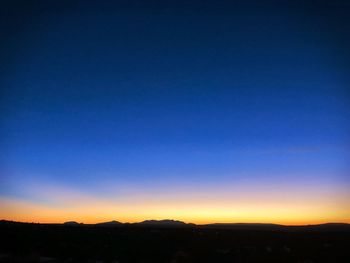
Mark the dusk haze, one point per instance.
(197, 111)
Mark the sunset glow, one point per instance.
(311, 207)
(129, 112)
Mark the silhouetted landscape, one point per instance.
(173, 241)
(220, 111)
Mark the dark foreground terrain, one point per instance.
(170, 241)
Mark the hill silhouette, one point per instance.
(110, 223)
(71, 223)
(163, 223)
(170, 223)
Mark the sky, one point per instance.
(201, 111)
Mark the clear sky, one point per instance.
(201, 111)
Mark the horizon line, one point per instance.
(187, 223)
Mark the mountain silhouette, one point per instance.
(163, 223)
(110, 223)
(71, 223)
(168, 223)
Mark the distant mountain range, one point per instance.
(71, 223)
(168, 223)
(164, 223)
(110, 223)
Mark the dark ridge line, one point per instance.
(177, 223)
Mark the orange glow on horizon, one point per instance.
(280, 205)
(286, 214)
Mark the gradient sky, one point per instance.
(202, 111)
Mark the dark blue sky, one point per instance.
(162, 94)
